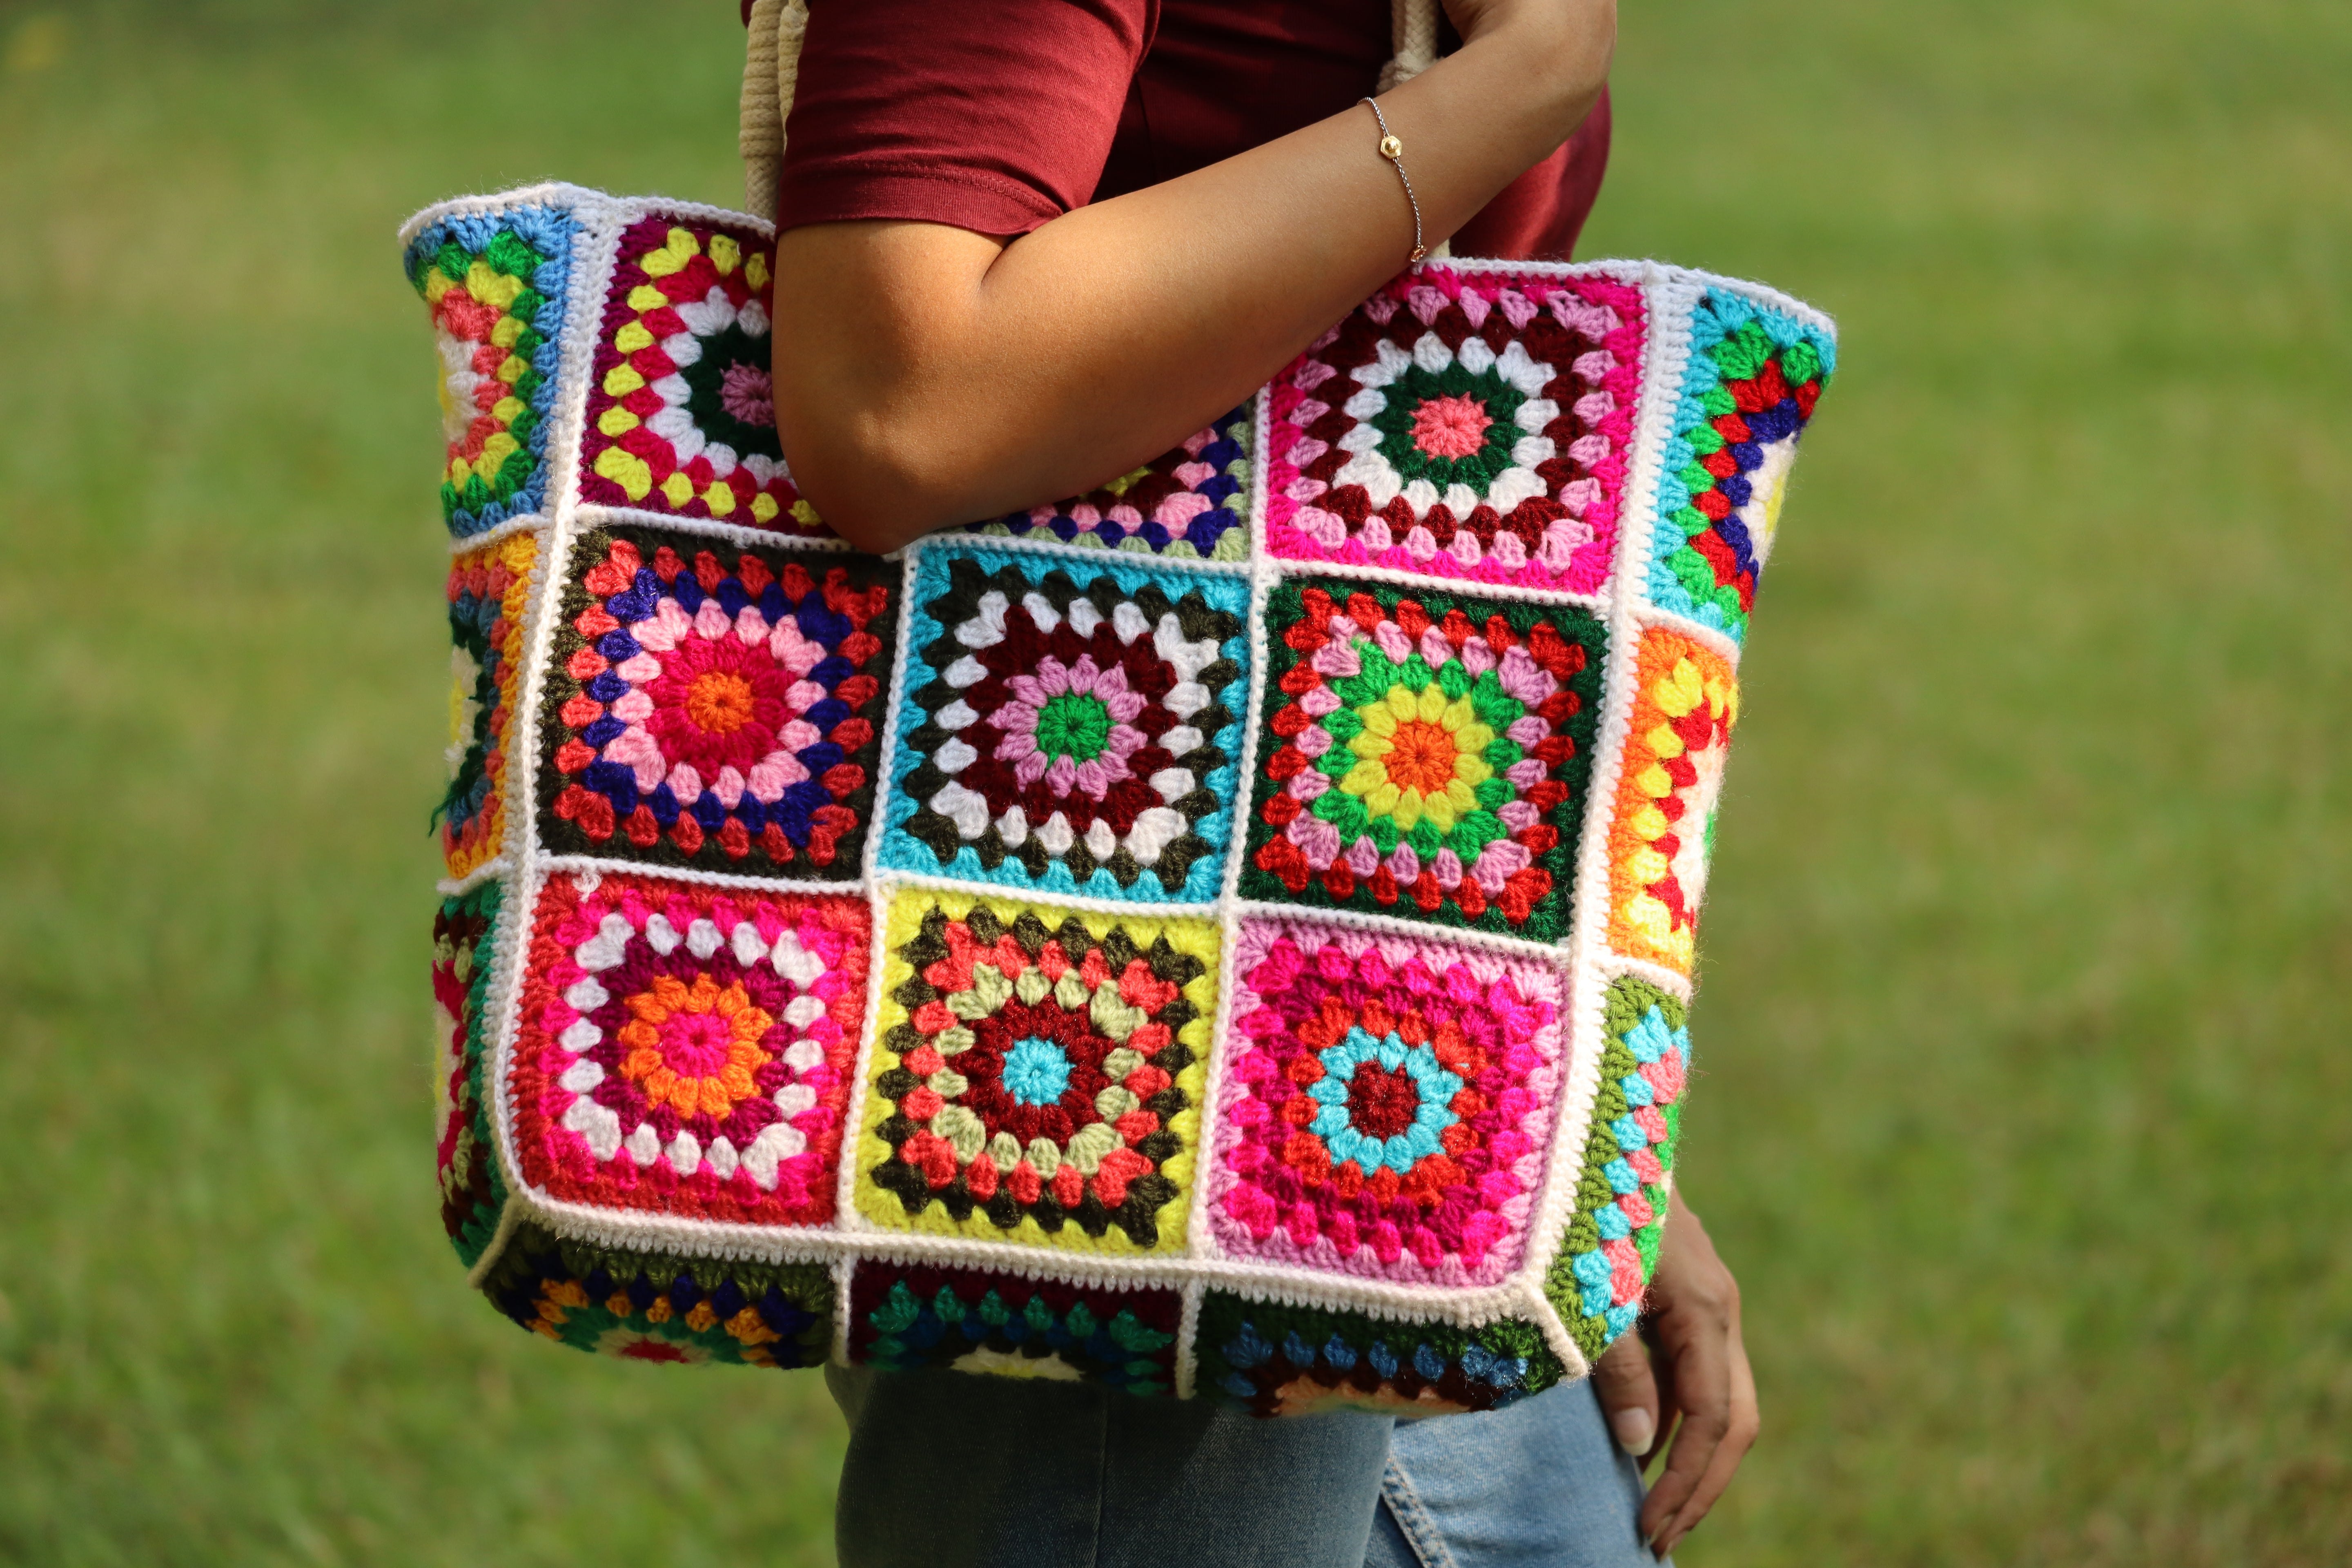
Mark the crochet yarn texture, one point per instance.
(714, 714)
(1036, 1073)
(1188, 502)
(1432, 755)
(1227, 935)
(1073, 732)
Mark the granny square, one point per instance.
(1069, 727)
(1423, 755)
(715, 707)
(1662, 831)
(904, 1317)
(1190, 501)
(472, 1191)
(1461, 425)
(657, 1306)
(1386, 1104)
(687, 1049)
(489, 589)
(1037, 1073)
(681, 406)
(1303, 1361)
(497, 288)
(1612, 1246)
(1748, 391)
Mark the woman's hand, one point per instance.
(1686, 1361)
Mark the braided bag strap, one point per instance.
(771, 69)
(1413, 36)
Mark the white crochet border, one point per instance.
(1670, 295)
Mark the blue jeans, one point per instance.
(950, 1470)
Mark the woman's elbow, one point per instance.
(871, 387)
(862, 473)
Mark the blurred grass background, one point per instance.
(2029, 1097)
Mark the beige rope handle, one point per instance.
(772, 72)
(1413, 35)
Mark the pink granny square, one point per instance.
(1461, 425)
(1388, 1106)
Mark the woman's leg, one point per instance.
(1539, 1482)
(952, 1470)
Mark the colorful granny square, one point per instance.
(496, 287)
(472, 1192)
(1069, 727)
(682, 407)
(1686, 701)
(1423, 756)
(653, 1307)
(716, 708)
(1612, 1246)
(688, 1050)
(1387, 1105)
(1037, 1073)
(902, 1318)
(1302, 1360)
(1192, 502)
(488, 591)
(1461, 427)
(1753, 378)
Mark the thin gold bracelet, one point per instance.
(1393, 151)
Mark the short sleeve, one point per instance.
(990, 115)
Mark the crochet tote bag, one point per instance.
(1225, 935)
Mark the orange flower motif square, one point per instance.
(1686, 700)
(688, 1048)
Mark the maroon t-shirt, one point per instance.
(1000, 115)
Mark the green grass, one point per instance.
(2027, 1097)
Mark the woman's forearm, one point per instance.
(926, 376)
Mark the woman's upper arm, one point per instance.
(923, 135)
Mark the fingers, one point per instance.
(1745, 1421)
(1701, 1390)
(1706, 1392)
(1629, 1394)
(1669, 1407)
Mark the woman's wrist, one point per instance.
(1499, 105)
